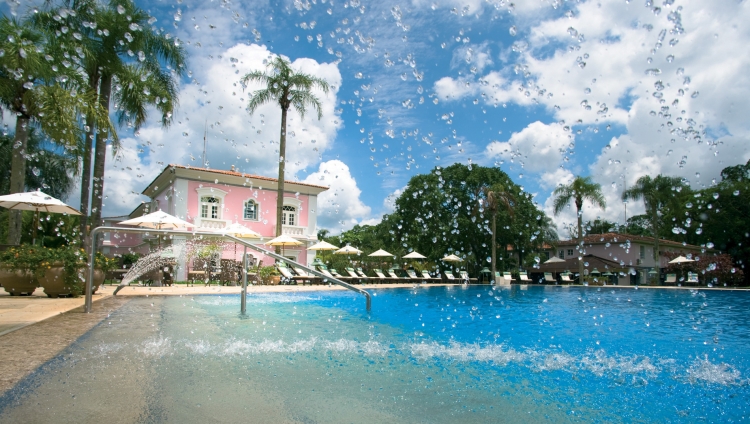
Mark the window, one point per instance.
(210, 207)
(545, 255)
(570, 252)
(288, 215)
(643, 252)
(561, 254)
(251, 210)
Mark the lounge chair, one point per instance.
(465, 276)
(565, 278)
(352, 274)
(289, 276)
(449, 275)
(337, 275)
(310, 278)
(393, 275)
(324, 270)
(507, 277)
(692, 278)
(361, 273)
(413, 274)
(426, 275)
(523, 277)
(383, 279)
(548, 278)
(671, 279)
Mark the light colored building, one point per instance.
(213, 199)
(630, 251)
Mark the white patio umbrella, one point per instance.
(554, 260)
(380, 253)
(283, 240)
(348, 250)
(36, 201)
(680, 259)
(323, 245)
(238, 230)
(452, 258)
(415, 255)
(159, 220)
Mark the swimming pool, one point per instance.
(427, 354)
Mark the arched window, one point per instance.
(251, 210)
(210, 207)
(289, 216)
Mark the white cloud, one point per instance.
(448, 88)
(216, 103)
(340, 207)
(551, 179)
(538, 147)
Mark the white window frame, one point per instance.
(211, 192)
(296, 204)
(257, 210)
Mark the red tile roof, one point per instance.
(242, 174)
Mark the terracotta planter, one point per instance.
(273, 280)
(54, 284)
(17, 283)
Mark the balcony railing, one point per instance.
(211, 224)
(293, 230)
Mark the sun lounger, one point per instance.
(413, 274)
(671, 279)
(449, 275)
(565, 278)
(523, 277)
(382, 277)
(548, 278)
(394, 276)
(324, 270)
(361, 273)
(337, 275)
(426, 276)
(465, 276)
(507, 277)
(288, 276)
(310, 278)
(352, 274)
(692, 278)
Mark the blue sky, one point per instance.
(545, 90)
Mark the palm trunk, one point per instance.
(100, 156)
(655, 227)
(494, 247)
(280, 190)
(18, 176)
(86, 172)
(580, 244)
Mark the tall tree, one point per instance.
(289, 89)
(579, 190)
(41, 85)
(657, 193)
(127, 62)
(495, 198)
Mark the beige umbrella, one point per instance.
(680, 259)
(379, 253)
(348, 250)
(322, 245)
(283, 240)
(238, 230)
(452, 258)
(38, 202)
(159, 220)
(415, 255)
(554, 260)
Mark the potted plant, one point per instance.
(17, 266)
(269, 275)
(63, 271)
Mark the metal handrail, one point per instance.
(96, 231)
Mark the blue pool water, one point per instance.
(427, 354)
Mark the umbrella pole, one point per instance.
(243, 295)
(34, 224)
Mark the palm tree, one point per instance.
(580, 189)
(288, 88)
(495, 198)
(656, 193)
(121, 30)
(42, 88)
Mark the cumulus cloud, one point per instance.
(215, 104)
(538, 147)
(340, 207)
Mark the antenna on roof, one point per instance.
(205, 132)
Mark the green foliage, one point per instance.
(440, 213)
(600, 226)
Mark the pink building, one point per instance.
(213, 199)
